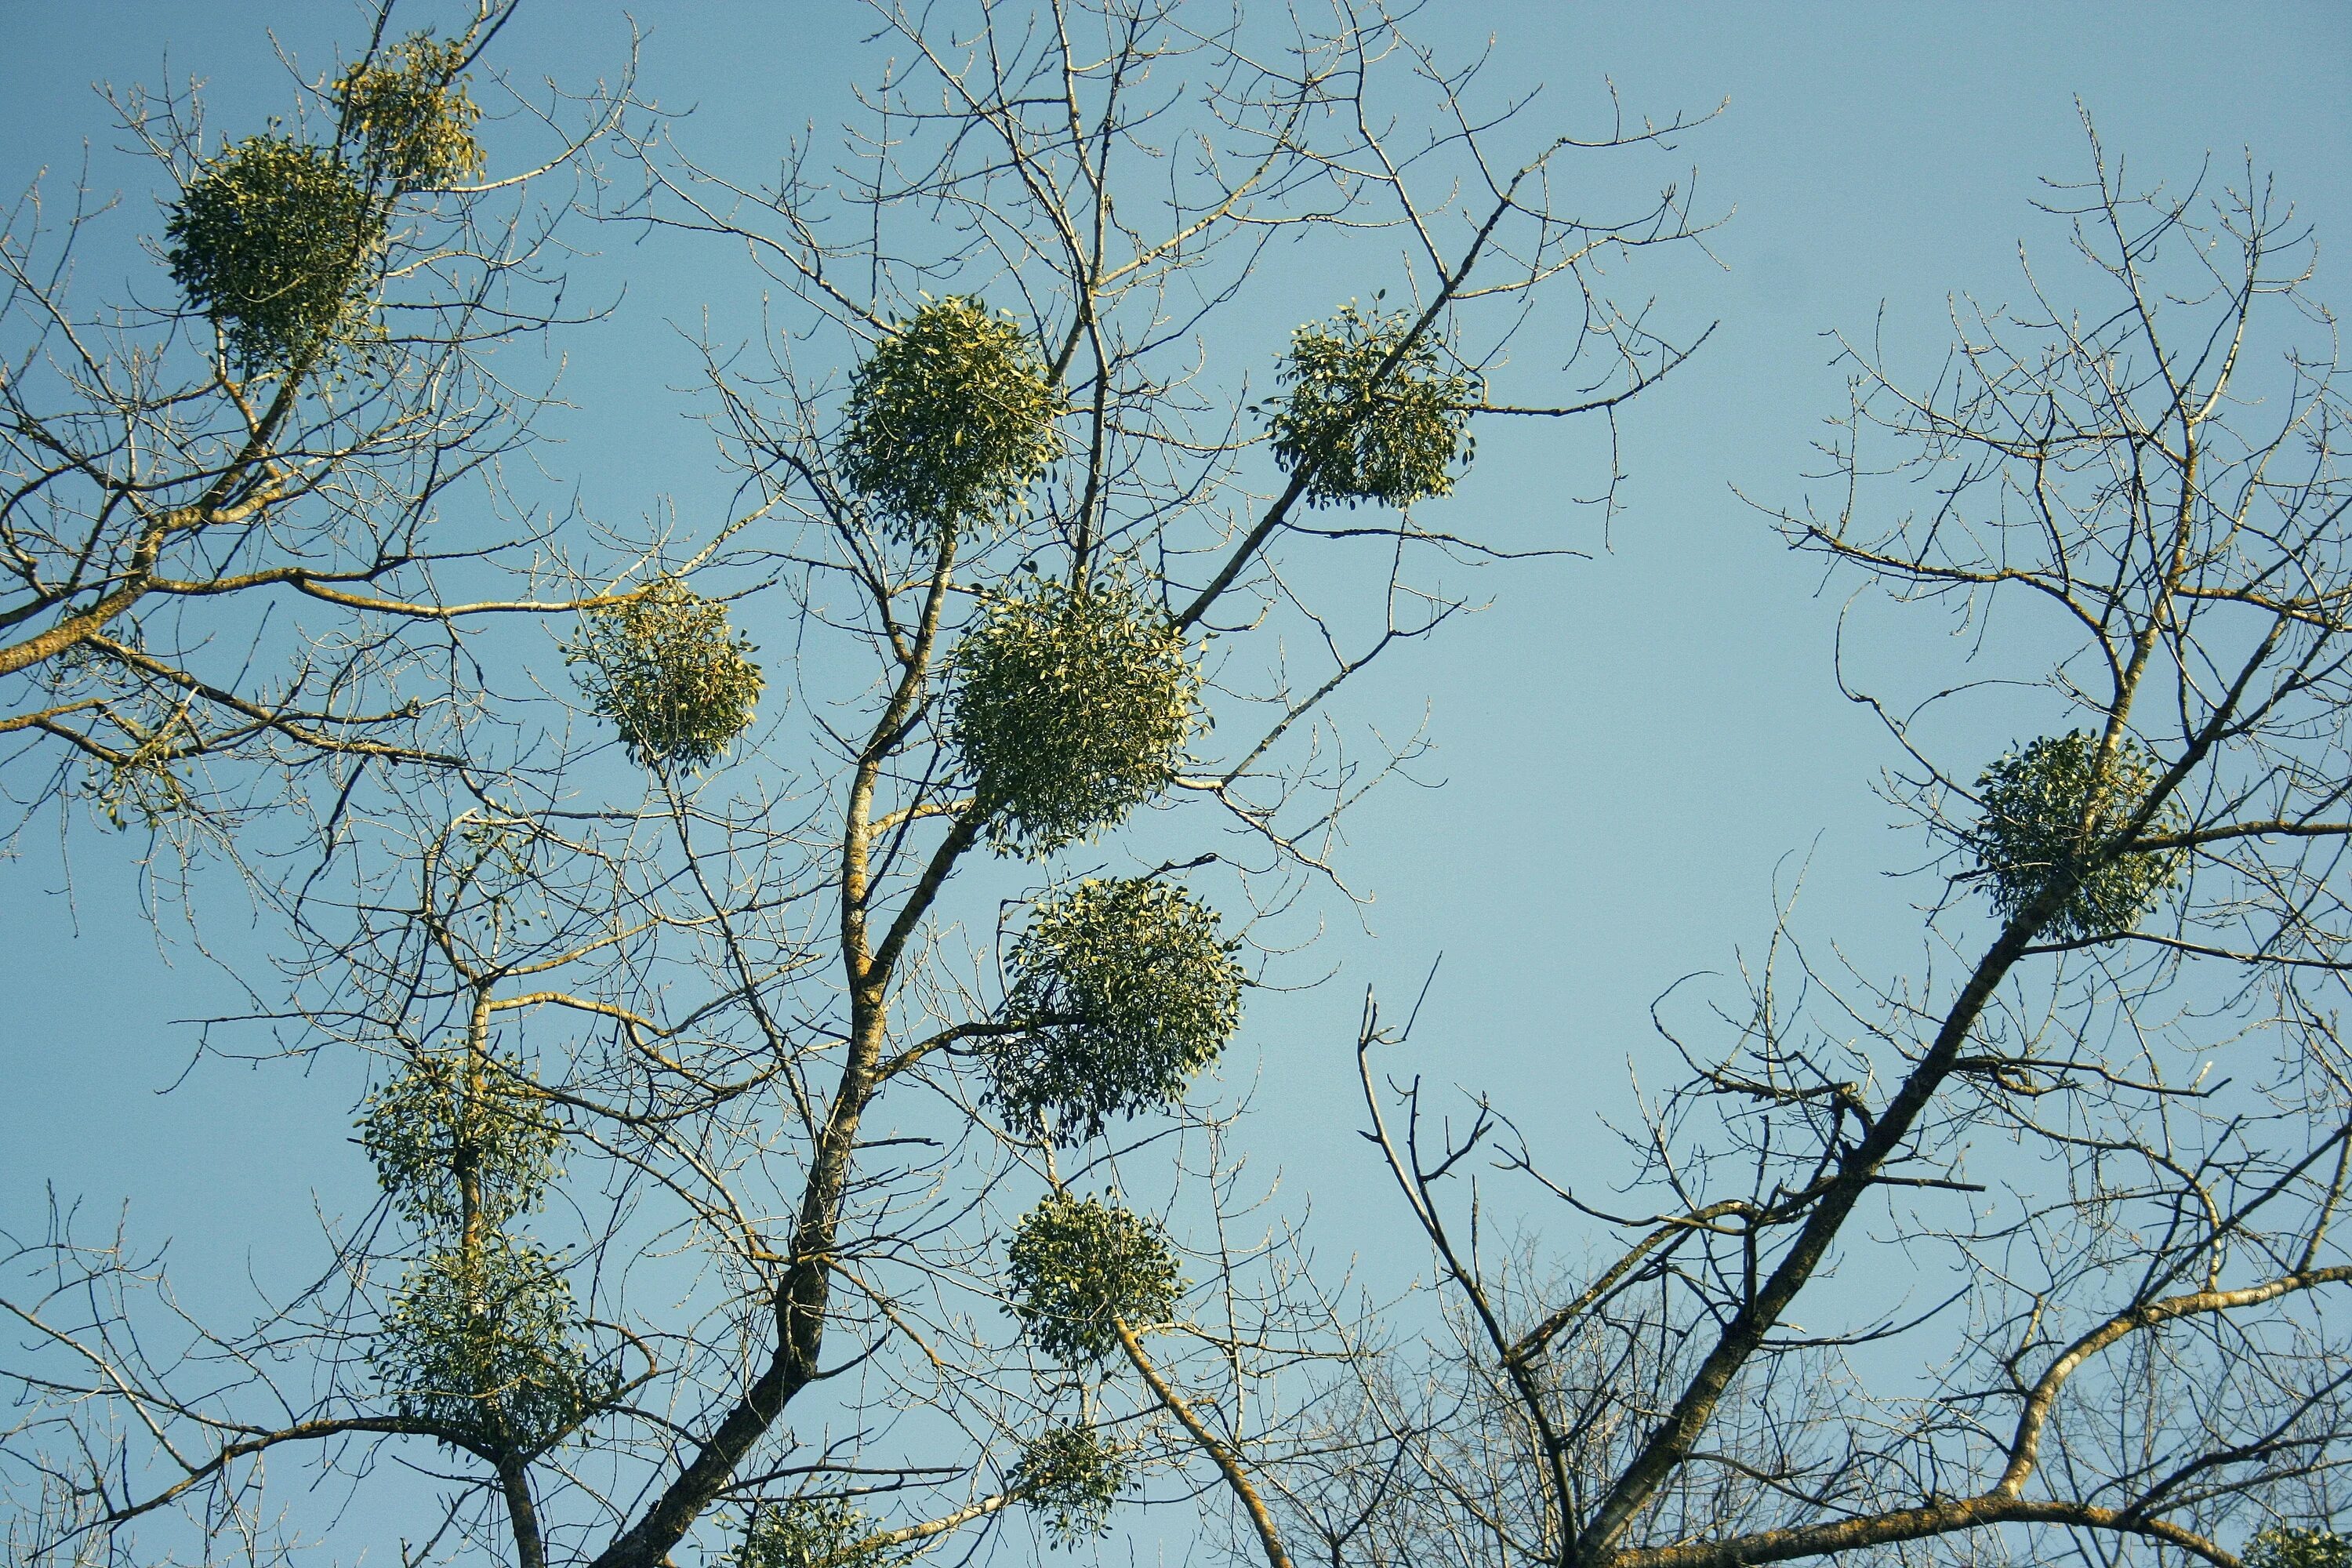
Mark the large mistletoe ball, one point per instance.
(1070, 707)
(2051, 813)
(1125, 992)
(810, 1531)
(1080, 1267)
(1369, 415)
(1072, 1475)
(272, 241)
(483, 1343)
(453, 1131)
(664, 667)
(951, 419)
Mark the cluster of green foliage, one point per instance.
(439, 1132)
(1079, 1266)
(2051, 814)
(272, 241)
(482, 1342)
(805, 1533)
(664, 667)
(275, 239)
(409, 114)
(1073, 1476)
(1125, 992)
(1369, 415)
(2286, 1547)
(951, 419)
(1070, 708)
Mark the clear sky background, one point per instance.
(1633, 747)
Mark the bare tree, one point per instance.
(766, 1107)
(2035, 1254)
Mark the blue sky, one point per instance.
(1635, 749)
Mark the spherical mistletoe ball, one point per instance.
(1072, 1475)
(1070, 707)
(951, 419)
(677, 682)
(804, 1533)
(410, 115)
(482, 1341)
(1126, 992)
(272, 241)
(438, 1118)
(2050, 811)
(1078, 1266)
(1362, 432)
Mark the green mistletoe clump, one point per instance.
(483, 1344)
(1073, 1476)
(409, 116)
(457, 1140)
(281, 241)
(273, 240)
(1070, 706)
(1079, 1267)
(1124, 991)
(677, 681)
(950, 420)
(808, 1533)
(2285, 1546)
(2051, 816)
(1369, 416)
